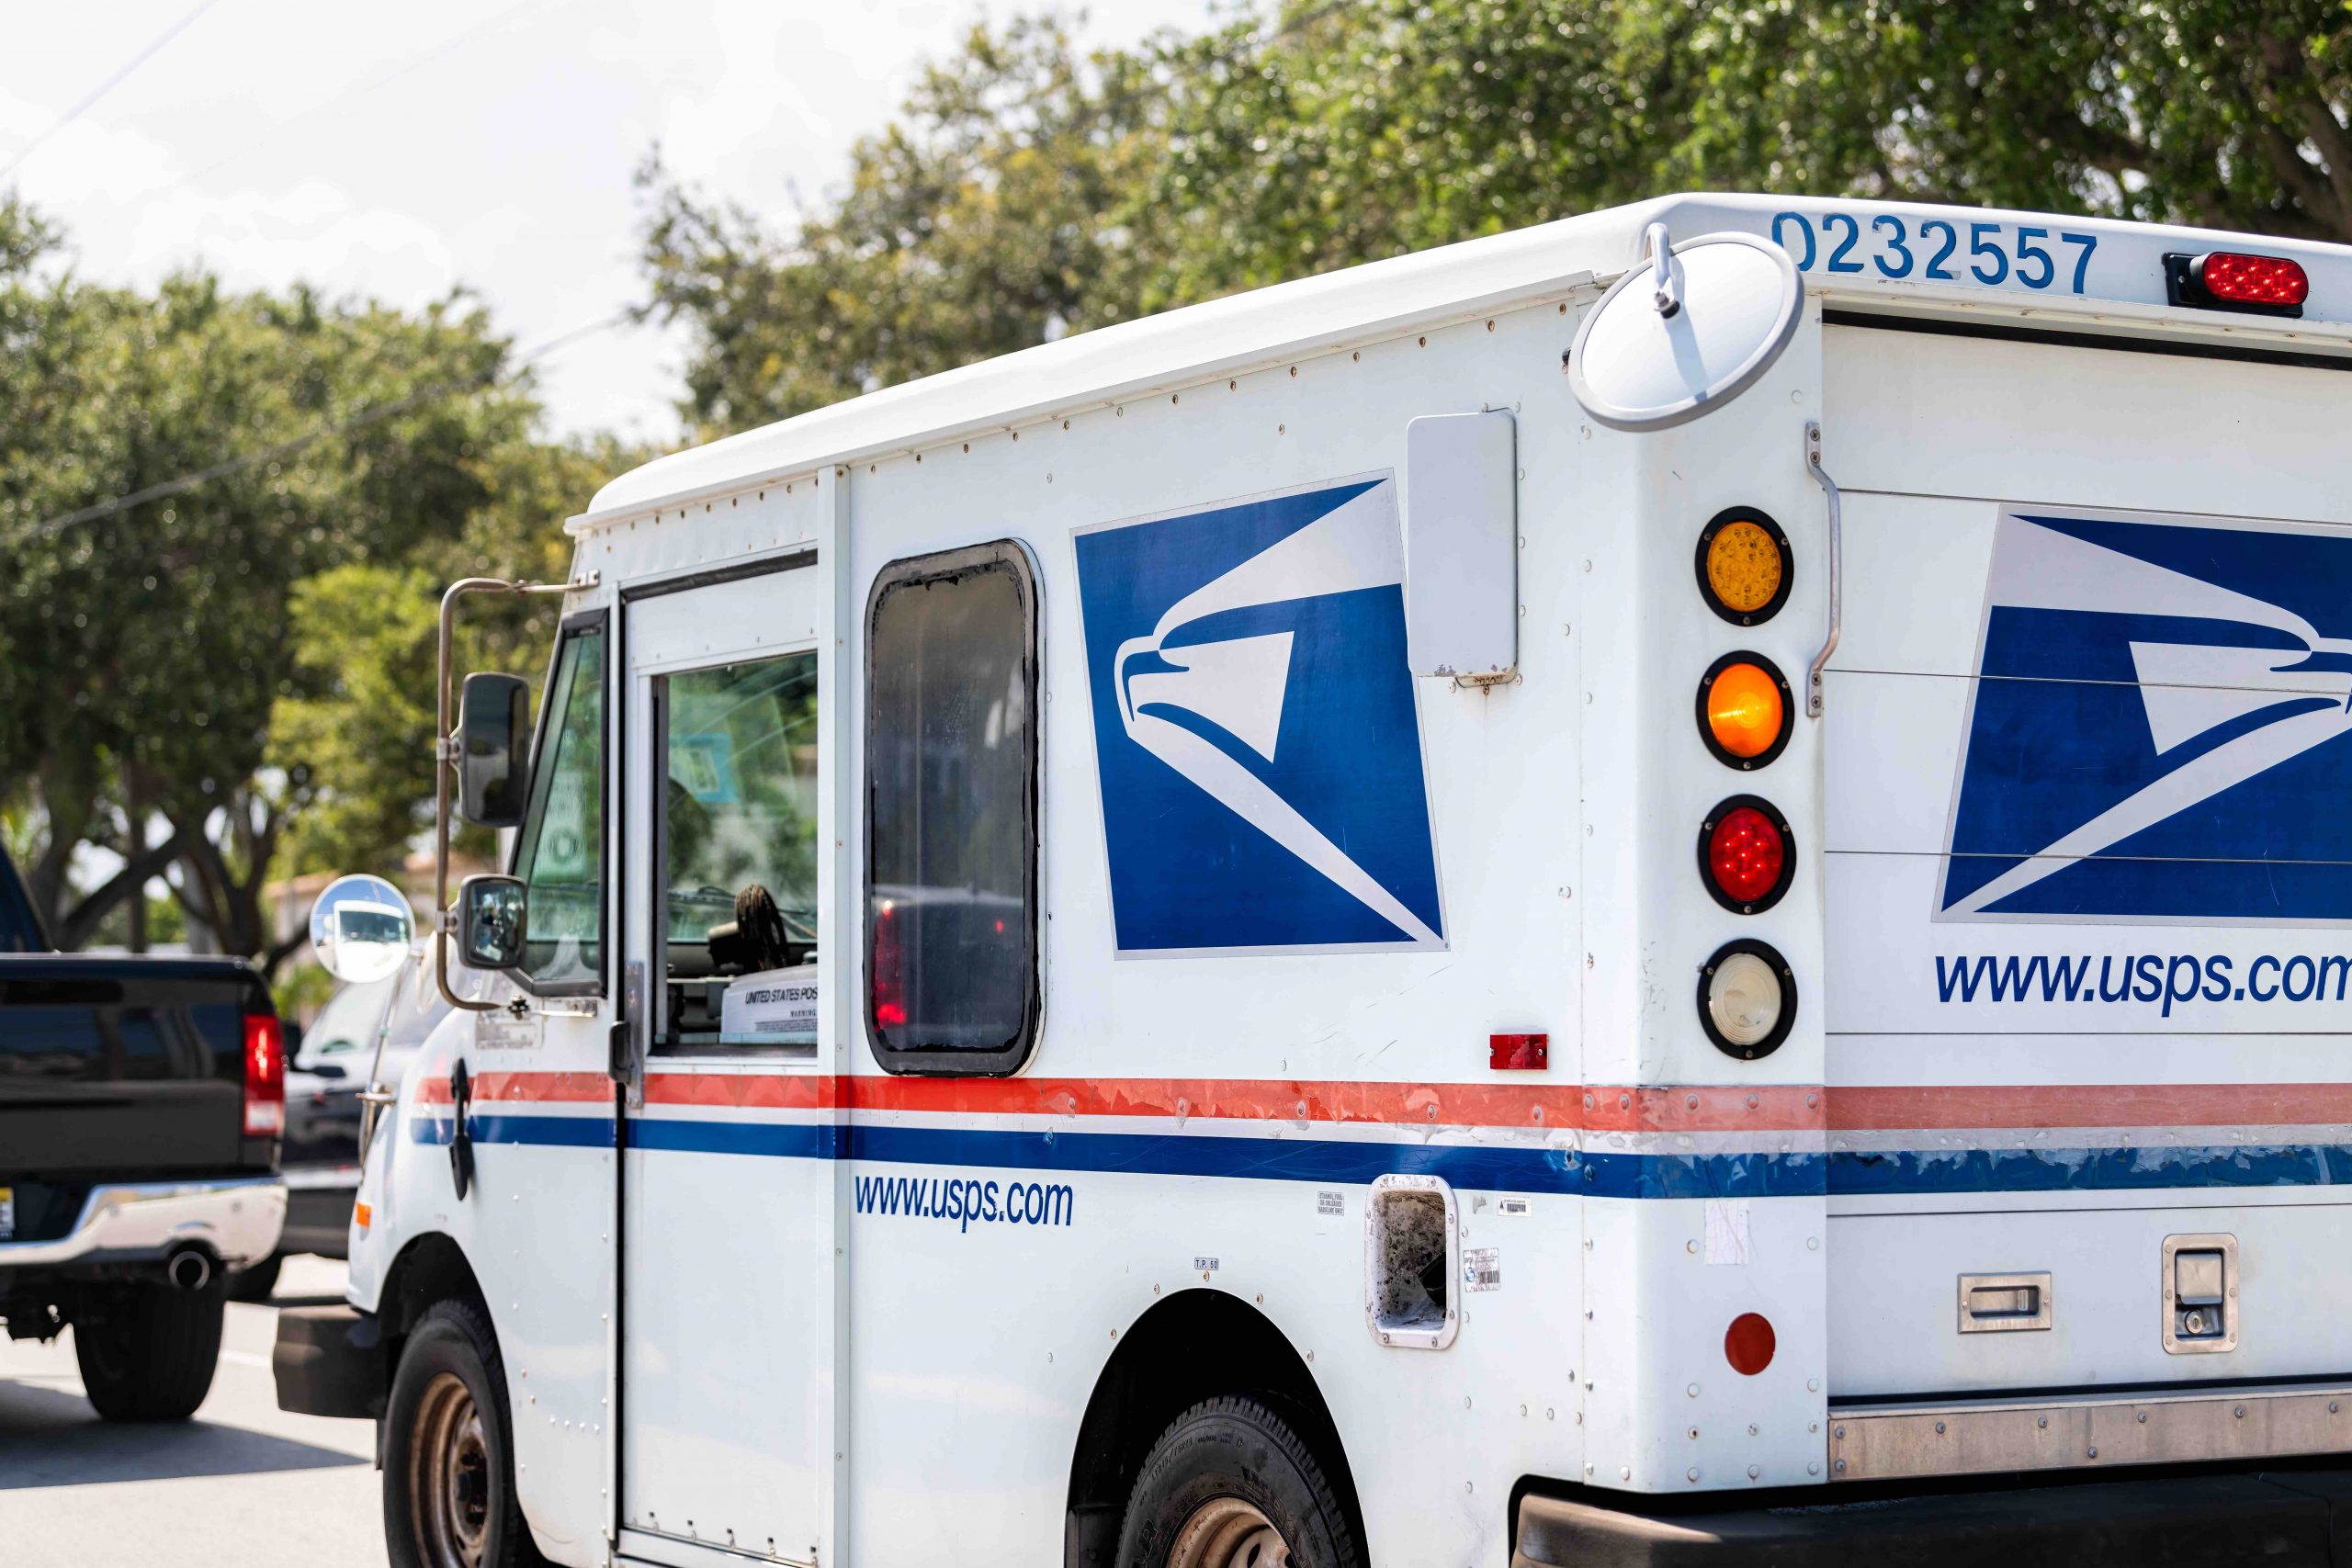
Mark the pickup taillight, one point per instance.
(264, 1077)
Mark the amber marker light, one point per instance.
(1744, 710)
(1744, 568)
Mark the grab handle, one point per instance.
(1836, 568)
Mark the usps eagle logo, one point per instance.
(2161, 726)
(1256, 738)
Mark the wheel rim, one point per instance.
(1227, 1532)
(448, 1477)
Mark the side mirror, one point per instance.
(493, 751)
(490, 923)
(361, 927)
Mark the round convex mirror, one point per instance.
(1636, 366)
(361, 927)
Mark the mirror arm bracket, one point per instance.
(444, 755)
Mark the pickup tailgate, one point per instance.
(125, 1066)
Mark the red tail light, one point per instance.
(2251, 280)
(1745, 854)
(264, 1077)
(885, 970)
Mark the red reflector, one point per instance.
(264, 1077)
(2251, 280)
(1748, 1344)
(1745, 854)
(1518, 1053)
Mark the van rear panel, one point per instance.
(2087, 865)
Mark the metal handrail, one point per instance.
(1812, 696)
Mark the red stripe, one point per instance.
(1712, 1108)
(1698, 1108)
(2092, 1105)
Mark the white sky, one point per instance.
(397, 151)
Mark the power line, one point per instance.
(374, 414)
(109, 86)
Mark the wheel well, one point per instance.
(431, 1269)
(1192, 1346)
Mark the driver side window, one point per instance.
(738, 856)
(560, 854)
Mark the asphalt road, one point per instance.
(243, 1485)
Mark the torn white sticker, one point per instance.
(1331, 1203)
(1727, 1231)
(1482, 1268)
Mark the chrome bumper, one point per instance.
(238, 1218)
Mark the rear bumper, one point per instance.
(236, 1218)
(329, 1361)
(2280, 1519)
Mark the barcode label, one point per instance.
(1482, 1268)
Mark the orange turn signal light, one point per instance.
(1744, 710)
(1744, 568)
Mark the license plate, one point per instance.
(7, 1213)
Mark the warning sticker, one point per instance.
(1482, 1268)
(1329, 1203)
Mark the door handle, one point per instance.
(461, 1138)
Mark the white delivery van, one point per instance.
(1670, 888)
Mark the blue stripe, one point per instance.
(559, 1131)
(1600, 1173)
(789, 1140)
(1904, 1172)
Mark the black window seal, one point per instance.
(572, 627)
(1012, 558)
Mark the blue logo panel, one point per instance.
(1256, 739)
(2161, 728)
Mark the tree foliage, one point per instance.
(187, 678)
(1030, 188)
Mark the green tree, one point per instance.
(1029, 188)
(981, 223)
(150, 643)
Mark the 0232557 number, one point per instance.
(1938, 251)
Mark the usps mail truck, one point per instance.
(1675, 887)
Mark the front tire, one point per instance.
(148, 1351)
(449, 1497)
(1230, 1485)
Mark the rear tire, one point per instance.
(148, 1352)
(258, 1284)
(449, 1451)
(1230, 1485)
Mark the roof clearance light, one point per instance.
(1747, 999)
(2235, 280)
(1744, 710)
(1745, 854)
(2251, 280)
(1744, 570)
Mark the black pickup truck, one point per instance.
(140, 1105)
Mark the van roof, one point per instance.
(2101, 274)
